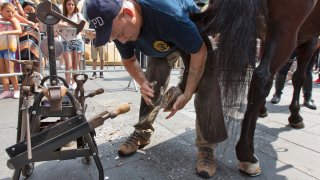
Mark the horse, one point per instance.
(284, 25)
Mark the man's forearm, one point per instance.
(197, 63)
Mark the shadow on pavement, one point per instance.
(172, 158)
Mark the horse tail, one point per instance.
(236, 22)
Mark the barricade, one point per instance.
(29, 41)
(67, 34)
(113, 63)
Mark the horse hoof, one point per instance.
(250, 169)
(298, 125)
(263, 115)
(296, 121)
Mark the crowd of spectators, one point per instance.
(22, 32)
(15, 12)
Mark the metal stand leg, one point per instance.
(95, 155)
(134, 84)
(16, 174)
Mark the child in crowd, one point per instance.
(73, 49)
(29, 11)
(8, 46)
(18, 9)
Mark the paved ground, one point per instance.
(284, 153)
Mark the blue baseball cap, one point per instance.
(101, 14)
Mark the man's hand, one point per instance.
(196, 68)
(181, 101)
(170, 97)
(147, 92)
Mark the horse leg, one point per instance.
(305, 52)
(260, 85)
(263, 112)
(279, 45)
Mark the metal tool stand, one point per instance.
(28, 89)
(45, 141)
(134, 84)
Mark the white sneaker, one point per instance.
(6, 94)
(16, 94)
(74, 86)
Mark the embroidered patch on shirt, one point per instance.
(161, 46)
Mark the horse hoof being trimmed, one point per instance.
(298, 125)
(249, 169)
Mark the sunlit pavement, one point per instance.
(284, 153)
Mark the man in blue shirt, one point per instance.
(163, 31)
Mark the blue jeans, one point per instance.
(73, 45)
(7, 54)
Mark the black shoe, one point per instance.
(310, 104)
(94, 76)
(276, 99)
(101, 75)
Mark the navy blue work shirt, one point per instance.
(166, 27)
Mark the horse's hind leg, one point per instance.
(305, 52)
(259, 88)
(279, 45)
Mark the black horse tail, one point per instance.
(236, 22)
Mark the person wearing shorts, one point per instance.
(73, 48)
(8, 46)
(95, 52)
